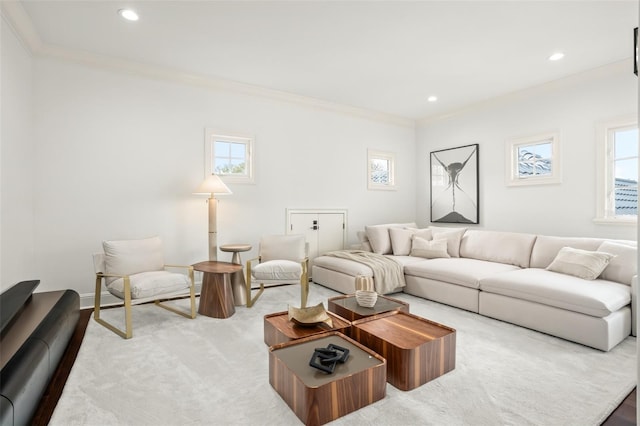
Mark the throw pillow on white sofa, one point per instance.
(401, 239)
(580, 263)
(428, 249)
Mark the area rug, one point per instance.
(208, 371)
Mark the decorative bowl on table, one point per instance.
(311, 316)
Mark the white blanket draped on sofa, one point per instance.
(387, 273)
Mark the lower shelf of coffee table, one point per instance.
(317, 397)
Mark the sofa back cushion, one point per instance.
(378, 236)
(546, 248)
(624, 265)
(510, 248)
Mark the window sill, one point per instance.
(615, 221)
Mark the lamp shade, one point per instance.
(213, 185)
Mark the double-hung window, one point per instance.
(230, 156)
(618, 171)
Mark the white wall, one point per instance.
(573, 106)
(17, 256)
(118, 156)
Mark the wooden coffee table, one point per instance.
(317, 397)
(347, 307)
(278, 328)
(417, 350)
(216, 295)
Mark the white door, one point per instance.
(324, 230)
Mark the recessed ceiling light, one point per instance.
(556, 56)
(128, 14)
(432, 98)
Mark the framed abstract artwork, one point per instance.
(454, 185)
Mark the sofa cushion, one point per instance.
(460, 271)
(546, 248)
(401, 239)
(378, 236)
(584, 264)
(502, 247)
(597, 298)
(421, 247)
(404, 260)
(345, 266)
(148, 284)
(624, 266)
(453, 237)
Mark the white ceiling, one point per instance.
(385, 56)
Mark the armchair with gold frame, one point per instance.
(134, 271)
(282, 259)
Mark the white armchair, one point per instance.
(134, 271)
(282, 259)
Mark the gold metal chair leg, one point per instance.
(96, 313)
(251, 301)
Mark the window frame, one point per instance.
(511, 155)
(390, 157)
(211, 136)
(605, 190)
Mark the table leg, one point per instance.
(238, 283)
(216, 296)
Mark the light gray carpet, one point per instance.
(209, 371)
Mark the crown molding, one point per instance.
(16, 17)
(23, 27)
(610, 69)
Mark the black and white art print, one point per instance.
(454, 185)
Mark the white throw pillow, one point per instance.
(421, 247)
(401, 239)
(453, 239)
(277, 270)
(127, 257)
(624, 266)
(379, 238)
(580, 263)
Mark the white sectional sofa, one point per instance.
(525, 279)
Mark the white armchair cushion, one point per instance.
(127, 257)
(288, 247)
(285, 270)
(147, 284)
(580, 263)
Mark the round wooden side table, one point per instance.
(237, 279)
(216, 297)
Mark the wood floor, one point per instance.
(624, 415)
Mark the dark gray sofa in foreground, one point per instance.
(36, 329)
